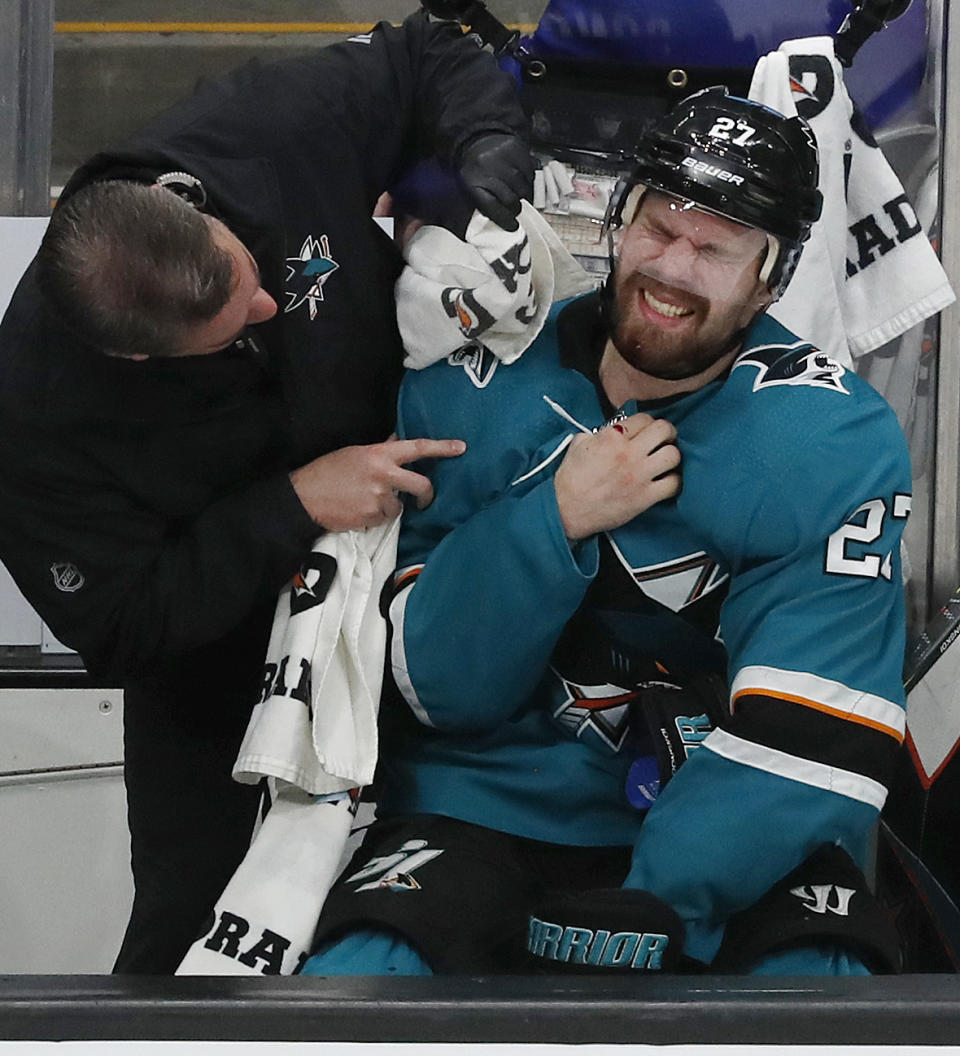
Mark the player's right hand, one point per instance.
(609, 477)
(358, 487)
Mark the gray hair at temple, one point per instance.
(130, 267)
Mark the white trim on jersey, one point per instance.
(558, 450)
(398, 654)
(806, 771)
(823, 694)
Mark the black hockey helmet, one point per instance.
(741, 160)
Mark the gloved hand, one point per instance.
(496, 169)
(604, 930)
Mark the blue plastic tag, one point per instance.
(643, 782)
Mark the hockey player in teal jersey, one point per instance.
(556, 641)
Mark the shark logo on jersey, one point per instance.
(477, 360)
(678, 583)
(601, 711)
(307, 273)
(799, 364)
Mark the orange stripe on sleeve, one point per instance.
(826, 709)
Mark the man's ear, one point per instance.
(765, 297)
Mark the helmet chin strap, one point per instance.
(621, 210)
(773, 252)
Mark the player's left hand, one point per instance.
(496, 169)
(609, 477)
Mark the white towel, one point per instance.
(315, 736)
(264, 921)
(316, 727)
(868, 272)
(493, 288)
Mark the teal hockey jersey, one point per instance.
(522, 657)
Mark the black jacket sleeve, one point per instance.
(127, 585)
(373, 104)
(450, 88)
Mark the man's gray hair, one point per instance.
(130, 267)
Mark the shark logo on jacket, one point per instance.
(307, 274)
(311, 583)
(799, 364)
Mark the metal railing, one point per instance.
(26, 106)
(946, 511)
(650, 1010)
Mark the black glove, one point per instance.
(824, 902)
(496, 170)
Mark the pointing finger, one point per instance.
(402, 451)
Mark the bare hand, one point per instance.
(357, 487)
(607, 478)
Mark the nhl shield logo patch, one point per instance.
(66, 576)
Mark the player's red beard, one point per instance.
(670, 349)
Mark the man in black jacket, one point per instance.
(197, 375)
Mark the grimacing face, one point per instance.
(687, 281)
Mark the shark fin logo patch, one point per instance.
(307, 274)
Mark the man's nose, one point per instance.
(678, 257)
(262, 307)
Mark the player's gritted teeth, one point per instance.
(661, 307)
